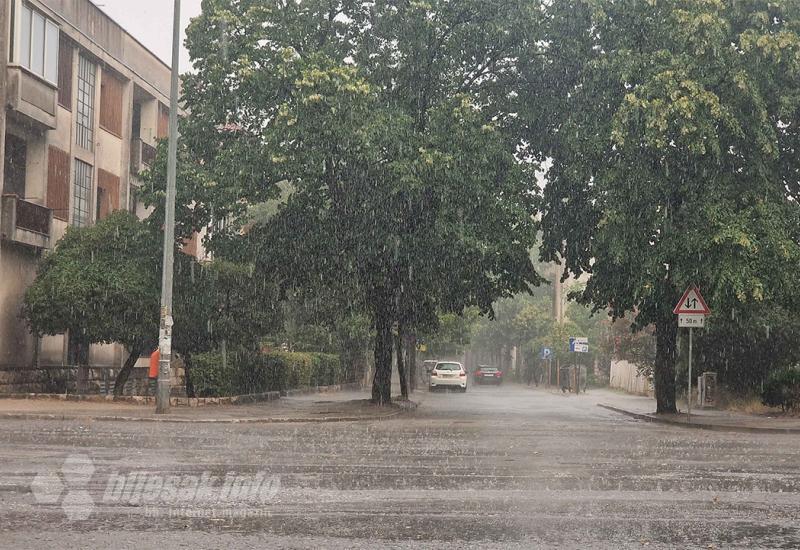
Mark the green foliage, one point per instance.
(102, 282)
(782, 389)
(222, 300)
(672, 128)
(633, 344)
(747, 346)
(248, 372)
(393, 136)
(451, 335)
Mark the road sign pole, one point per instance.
(689, 387)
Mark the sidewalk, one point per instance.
(644, 408)
(332, 407)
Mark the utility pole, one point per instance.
(4, 22)
(558, 316)
(558, 306)
(165, 328)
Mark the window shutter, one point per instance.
(58, 183)
(163, 121)
(109, 198)
(65, 73)
(111, 103)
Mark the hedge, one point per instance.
(249, 372)
(782, 389)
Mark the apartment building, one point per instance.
(85, 104)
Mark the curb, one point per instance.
(700, 426)
(250, 420)
(192, 402)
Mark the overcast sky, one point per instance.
(150, 21)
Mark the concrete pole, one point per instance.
(4, 34)
(558, 314)
(558, 306)
(165, 329)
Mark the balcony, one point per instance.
(31, 97)
(143, 155)
(25, 222)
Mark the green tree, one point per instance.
(673, 132)
(391, 124)
(220, 304)
(102, 283)
(451, 335)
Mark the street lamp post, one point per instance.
(166, 322)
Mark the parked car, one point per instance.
(448, 374)
(488, 375)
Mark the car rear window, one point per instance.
(488, 369)
(448, 366)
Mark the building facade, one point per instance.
(84, 106)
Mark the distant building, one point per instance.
(85, 104)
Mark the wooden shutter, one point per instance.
(65, 72)
(163, 121)
(108, 197)
(111, 103)
(58, 183)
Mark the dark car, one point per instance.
(488, 375)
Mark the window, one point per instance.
(38, 44)
(84, 121)
(83, 194)
(65, 73)
(58, 183)
(448, 366)
(111, 103)
(14, 164)
(136, 121)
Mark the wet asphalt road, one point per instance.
(501, 467)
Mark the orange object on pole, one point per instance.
(155, 357)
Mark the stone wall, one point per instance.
(63, 379)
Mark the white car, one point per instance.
(449, 374)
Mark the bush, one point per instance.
(208, 376)
(250, 372)
(782, 389)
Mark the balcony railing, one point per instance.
(25, 222)
(143, 155)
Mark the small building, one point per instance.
(84, 106)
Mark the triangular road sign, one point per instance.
(692, 302)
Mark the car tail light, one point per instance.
(462, 373)
(498, 374)
(478, 373)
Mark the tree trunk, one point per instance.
(401, 367)
(382, 381)
(78, 350)
(125, 371)
(664, 374)
(411, 355)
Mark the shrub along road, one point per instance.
(498, 467)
